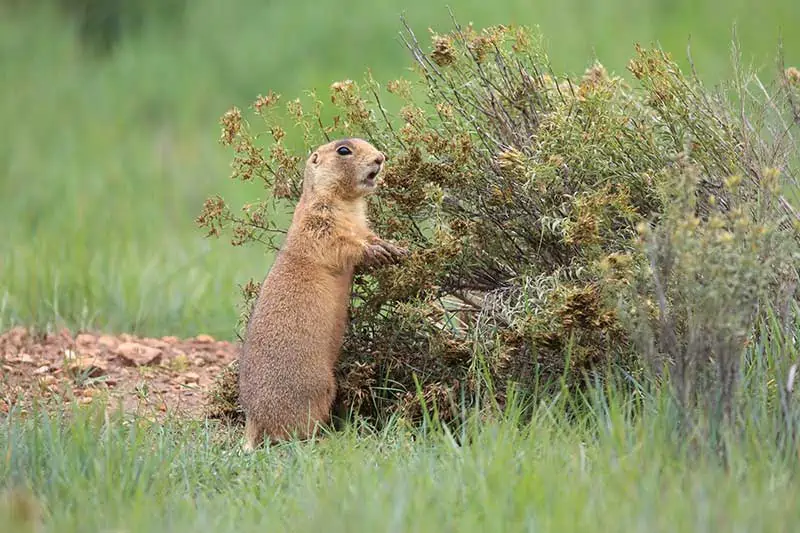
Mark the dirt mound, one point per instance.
(152, 376)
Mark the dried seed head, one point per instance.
(555, 159)
(511, 162)
(231, 125)
(262, 102)
(595, 75)
(408, 133)
(401, 88)
(282, 189)
(443, 51)
(480, 46)
(595, 78)
(445, 110)
(295, 108)
(793, 75)
(413, 115)
(278, 133)
(522, 40)
(341, 87)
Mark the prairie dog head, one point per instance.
(347, 168)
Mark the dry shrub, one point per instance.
(519, 194)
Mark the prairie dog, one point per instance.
(296, 329)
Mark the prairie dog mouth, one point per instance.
(372, 176)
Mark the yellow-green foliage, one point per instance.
(520, 193)
(694, 309)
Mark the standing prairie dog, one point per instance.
(296, 328)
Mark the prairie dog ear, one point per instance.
(314, 158)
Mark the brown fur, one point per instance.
(296, 329)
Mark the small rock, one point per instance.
(25, 358)
(209, 358)
(135, 354)
(90, 366)
(42, 370)
(204, 339)
(85, 400)
(47, 380)
(169, 339)
(198, 361)
(85, 339)
(8, 368)
(107, 341)
(17, 334)
(157, 343)
(191, 377)
(70, 355)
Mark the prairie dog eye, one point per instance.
(343, 150)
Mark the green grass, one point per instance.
(608, 459)
(605, 469)
(104, 163)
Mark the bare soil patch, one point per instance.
(153, 376)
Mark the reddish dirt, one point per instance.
(152, 376)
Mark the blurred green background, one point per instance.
(108, 144)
